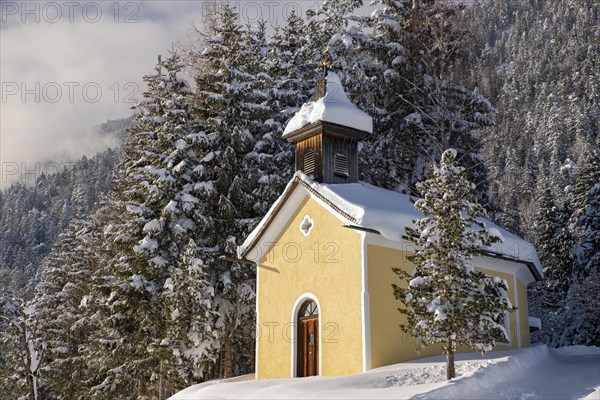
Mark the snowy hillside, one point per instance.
(531, 374)
(120, 271)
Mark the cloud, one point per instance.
(67, 66)
(61, 78)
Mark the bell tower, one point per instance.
(326, 132)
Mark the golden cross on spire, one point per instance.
(326, 60)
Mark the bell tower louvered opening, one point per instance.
(309, 162)
(340, 165)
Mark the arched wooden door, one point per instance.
(308, 340)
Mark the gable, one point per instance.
(279, 219)
(311, 235)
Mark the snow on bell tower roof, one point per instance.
(330, 104)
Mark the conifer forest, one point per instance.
(118, 273)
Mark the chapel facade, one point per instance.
(325, 252)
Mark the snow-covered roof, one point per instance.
(333, 106)
(385, 212)
(535, 323)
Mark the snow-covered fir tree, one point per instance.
(233, 179)
(579, 318)
(423, 109)
(290, 70)
(554, 246)
(289, 82)
(554, 243)
(333, 32)
(445, 299)
(145, 236)
(63, 288)
(189, 339)
(586, 214)
(272, 92)
(21, 349)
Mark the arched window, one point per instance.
(340, 164)
(309, 309)
(309, 161)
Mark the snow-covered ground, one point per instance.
(530, 374)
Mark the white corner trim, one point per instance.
(294, 320)
(365, 304)
(256, 351)
(517, 311)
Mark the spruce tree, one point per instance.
(290, 80)
(189, 338)
(63, 286)
(554, 243)
(446, 300)
(579, 319)
(586, 215)
(21, 349)
(423, 108)
(232, 180)
(148, 228)
(289, 66)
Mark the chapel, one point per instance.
(325, 250)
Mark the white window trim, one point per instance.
(365, 304)
(517, 311)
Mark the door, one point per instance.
(308, 340)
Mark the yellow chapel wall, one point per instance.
(389, 345)
(327, 264)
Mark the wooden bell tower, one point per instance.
(326, 132)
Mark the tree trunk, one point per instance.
(29, 374)
(450, 371)
(142, 388)
(35, 391)
(30, 383)
(228, 357)
(218, 367)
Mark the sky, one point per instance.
(68, 66)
